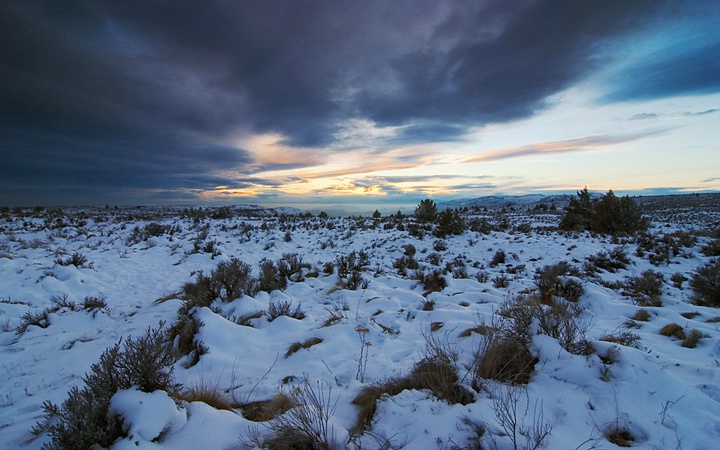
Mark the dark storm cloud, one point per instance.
(147, 95)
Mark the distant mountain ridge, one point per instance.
(506, 201)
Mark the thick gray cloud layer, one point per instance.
(141, 95)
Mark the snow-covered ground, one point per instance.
(665, 395)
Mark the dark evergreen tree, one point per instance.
(426, 211)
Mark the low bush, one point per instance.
(705, 283)
(270, 277)
(432, 282)
(611, 261)
(228, 281)
(645, 290)
(291, 266)
(82, 421)
(552, 282)
(94, 304)
(76, 259)
(498, 258)
(277, 309)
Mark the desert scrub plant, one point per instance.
(182, 335)
(642, 315)
(511, 406)
(678, 279)
(270, 277)
(291, 266)
(94, 304)
(405, 262)
(350, 268)
(611, 261)
(432, 282)
(280, 308)
(228, 281)
(82, 421)
(206, 392)
(498, 258)
(552, 281)
(76, 259)
(705, 283)
(645, 290)
(39, 319)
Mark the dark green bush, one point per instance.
(426, 211)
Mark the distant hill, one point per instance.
(506, 201)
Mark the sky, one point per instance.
(354, 103)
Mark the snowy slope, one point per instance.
(665, 395)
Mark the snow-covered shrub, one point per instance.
(705, 283)
(82, 421)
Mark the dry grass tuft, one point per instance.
(692, 339)
(481, 329)
(673, 330)
(620, 437)
(435, 374)
(210, 394)
(642, 315)
(297, 346)
(506, 359)
(626, 338)
(265, 410)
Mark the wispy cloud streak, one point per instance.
(581, 144)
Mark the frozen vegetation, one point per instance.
(232, 328)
